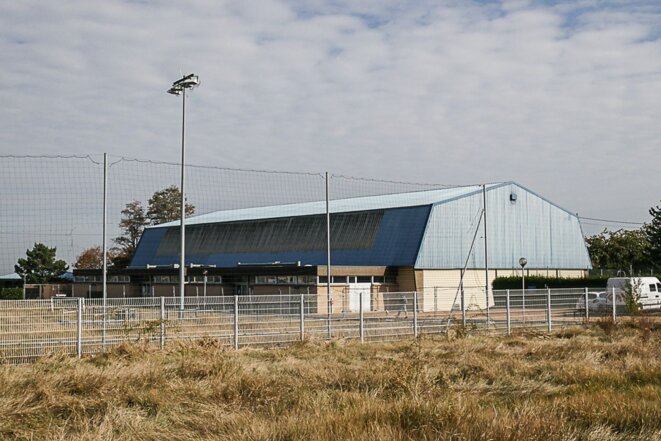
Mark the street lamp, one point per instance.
(179, 88)
(523, 262)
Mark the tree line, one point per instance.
(631, 251)
(40, 264)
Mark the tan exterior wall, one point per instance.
(406, 279)
(440, 289)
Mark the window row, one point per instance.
(285, 280)
(211, 280)
(99, 279)
(358, 279)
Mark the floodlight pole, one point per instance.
(182, 227)
(179, 88)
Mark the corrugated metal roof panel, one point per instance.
(399, 200)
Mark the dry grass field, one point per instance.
(601, 383)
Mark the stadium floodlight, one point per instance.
(179, 88)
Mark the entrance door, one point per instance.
(354, 296)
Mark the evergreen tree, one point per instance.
(40, 264)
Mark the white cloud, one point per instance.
(562, 98)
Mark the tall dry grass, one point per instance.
(572, 385)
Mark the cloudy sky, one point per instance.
(563, 97)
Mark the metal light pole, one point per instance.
(179, 88)
(523, 262)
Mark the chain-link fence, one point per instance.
(58, 200)
(76, 326)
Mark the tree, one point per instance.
(621, 249)
(132, 224)
(165, 206)
(92, 258)
(632, 292)
(653, 234)
(40, 264)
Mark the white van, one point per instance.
(650, 291)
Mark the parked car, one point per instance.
(597, 302)
(650, 291)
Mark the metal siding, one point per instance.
(545, 234)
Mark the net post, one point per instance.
(361, 322)
(587, 306)
(79, 328)
(302, 317)
(548, 310)
(415, 314)
(508, 312)
(614, 306)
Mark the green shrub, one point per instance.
(551, 282)
(632, 293)
(11, 294)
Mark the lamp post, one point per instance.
(523, 262)
(179, 88)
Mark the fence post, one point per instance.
(614, 306)
(508, 312)
(162, 325)
(415, 313)
(361, 322)
(302, 317)
(104, 326)
(79, 328)
(548, 309)
(587, 306)
(236, 321)
(463, 307)
(435, 298)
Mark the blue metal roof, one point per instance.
(396, 243)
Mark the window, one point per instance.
(378, 279)
(323, 279)
(88, 279)
(165, 279)
(119, 279)
(364, 279)
(658, 286)
(652, 287)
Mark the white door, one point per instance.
(354, 296)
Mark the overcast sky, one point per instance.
(563, 97)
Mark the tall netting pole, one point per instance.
(104, 276)
(328, 261)
(486, 252)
